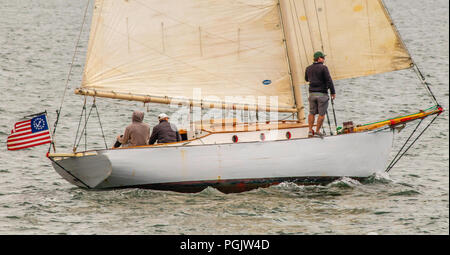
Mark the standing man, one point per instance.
(164, 132)
(320, 81)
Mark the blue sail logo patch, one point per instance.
(267, 82)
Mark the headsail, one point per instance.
(232, 50)
(357, 36)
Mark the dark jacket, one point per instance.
(319, 78)
(164, 132)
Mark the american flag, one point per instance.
(29, 133)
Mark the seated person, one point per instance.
(164, 132)
(136, 134)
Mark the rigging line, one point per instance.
(79, 124)
(309, 25)
(423, 131)
(52, 142)
(295, 32)
(306, 92)
(406, 142)
(334, 113)
(414, 65)
(425, 83)
(287, 57)
(100, 122)
(84, 130)
(329, 124)
(323, 49)
(318, 23)
(36, 114)
(71, 67)
(290, 116)
(328, 39)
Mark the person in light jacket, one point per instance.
(136, 134)
(164, 132)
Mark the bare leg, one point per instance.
(319, 123)
(311, 118)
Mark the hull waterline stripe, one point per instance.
(235, 185)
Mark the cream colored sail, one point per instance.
(214, 51)
(356, 35)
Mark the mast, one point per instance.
(296, 89)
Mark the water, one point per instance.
(37, 40)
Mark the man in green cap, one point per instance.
(320, 81)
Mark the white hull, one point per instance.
(232, 166)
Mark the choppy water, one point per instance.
(37, 40)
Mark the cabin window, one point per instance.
(235, 139)
(288, 135)
(262, 136)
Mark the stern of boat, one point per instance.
(85, 170)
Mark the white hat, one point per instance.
(162, 116)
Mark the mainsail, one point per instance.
(233, 51)
(230, 51)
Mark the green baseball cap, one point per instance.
(319, 54)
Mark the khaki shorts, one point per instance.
(318, 103)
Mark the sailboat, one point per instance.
(237, 56)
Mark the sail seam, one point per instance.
(162, 53)
(318, 23)
(309, 26)
(181, 22)
(369, 30)
(333, 69)
(301, 32)
(174, 59)
(287, 56)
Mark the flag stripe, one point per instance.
(21, 123)
(24, 137)
(22, 142)
(18, 134)
(22, 129)
(30, 136)
(13, 148)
